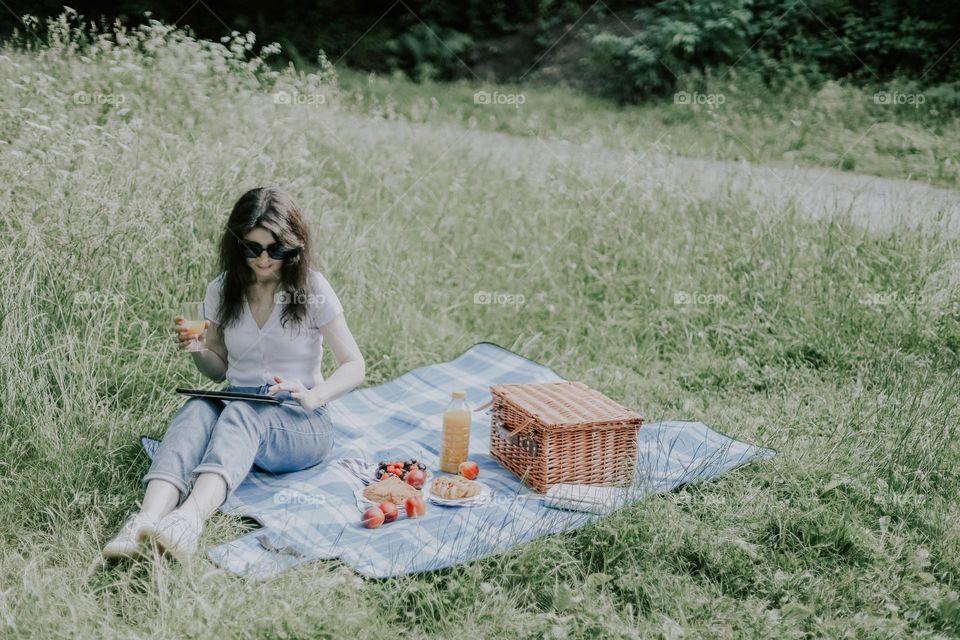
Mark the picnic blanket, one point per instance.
(312, 514)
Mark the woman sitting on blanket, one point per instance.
(267, 314)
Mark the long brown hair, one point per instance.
(274, 210)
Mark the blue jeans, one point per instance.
(231, 437)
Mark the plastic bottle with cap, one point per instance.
(456, 433)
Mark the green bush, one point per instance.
(633, 50)
(677, 37)
(426, 52)
(774, 38)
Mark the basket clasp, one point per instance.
(524, 441)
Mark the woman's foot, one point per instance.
(177, 534)
(126, 544)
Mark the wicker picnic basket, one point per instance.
(563, 432)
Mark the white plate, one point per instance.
(371, 478)
(485, 495)
(363, 503)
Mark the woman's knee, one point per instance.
(237, 413)
(190, 427)
(238, 422)
(197, 412)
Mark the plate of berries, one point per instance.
(412, 471)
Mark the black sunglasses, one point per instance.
(276, 251)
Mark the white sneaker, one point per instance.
(126, 544)
(177, 534)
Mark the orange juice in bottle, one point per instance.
(456, 433)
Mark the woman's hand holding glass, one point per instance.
(191, 327)
(206, 347)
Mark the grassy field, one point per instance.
(836, 346)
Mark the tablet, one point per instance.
(229, 395)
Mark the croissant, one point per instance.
(454, 487)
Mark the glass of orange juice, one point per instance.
(193, 321)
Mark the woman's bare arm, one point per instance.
(212, 362)
(351, 367)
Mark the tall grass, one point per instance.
(833, 344)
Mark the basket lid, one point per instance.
(564, 403)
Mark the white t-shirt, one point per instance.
(255, 355)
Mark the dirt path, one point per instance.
(881, 204)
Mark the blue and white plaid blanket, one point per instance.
(312, 514)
